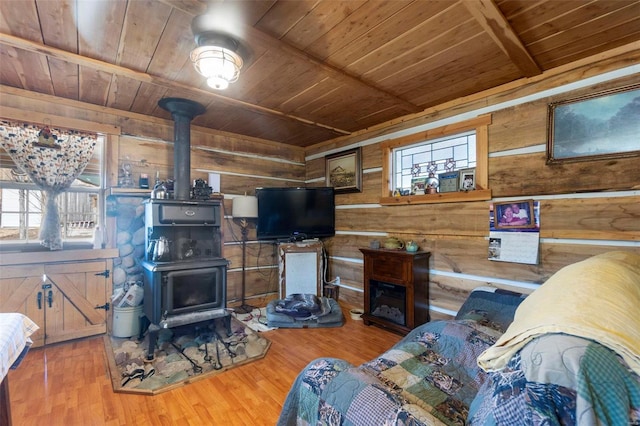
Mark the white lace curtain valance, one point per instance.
(52, 158)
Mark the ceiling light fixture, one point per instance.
(216, 59)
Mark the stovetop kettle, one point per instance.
(160, 191)
(161, 250)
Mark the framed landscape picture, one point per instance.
(598, 126)
(343, 171)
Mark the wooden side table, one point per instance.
(396, 288)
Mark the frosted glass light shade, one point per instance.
(219, 65)
(244, 206)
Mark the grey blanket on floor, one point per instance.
(303, 306)
(314, 312)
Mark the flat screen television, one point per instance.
(295, 213)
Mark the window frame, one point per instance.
(99, 191)
(479, 124)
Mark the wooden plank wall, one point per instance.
(244, 164)
(241, 172)
(587, 207)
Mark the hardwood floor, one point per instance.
(68, 384)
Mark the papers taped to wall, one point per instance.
(518, 243)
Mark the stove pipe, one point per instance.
(182, 111)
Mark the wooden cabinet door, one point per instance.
(64, 304)
(76, 290)
(20, 289)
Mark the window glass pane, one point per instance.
(10, 220)
(22, 204)
(435, 155)
(80, 215)
(440, 155)
(407, 161)
(35, 220)
(406, 182)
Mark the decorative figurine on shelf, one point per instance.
(144, 181)
(200, 190)
(411, 246)
(126, 181)
(393, 243)
(432, 184)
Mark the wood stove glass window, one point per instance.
(193, 290)
(388, 301)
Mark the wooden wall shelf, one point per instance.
(129, 192)
(146, 193)
(445, 197)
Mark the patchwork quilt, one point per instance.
(563, 380)
(430, 377)
(569, 357)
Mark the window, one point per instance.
(453, 147)
(22, 204)
(453, 152)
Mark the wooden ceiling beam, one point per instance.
(489, 16)
(49, 51)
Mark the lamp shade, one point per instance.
(245, 206)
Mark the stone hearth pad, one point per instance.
(183, 355)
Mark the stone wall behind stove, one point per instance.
(126, 214)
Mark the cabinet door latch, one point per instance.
(105, 273)
(105, 306)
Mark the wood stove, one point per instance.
(189, 283)
(185, 282)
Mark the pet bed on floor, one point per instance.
(304, 311)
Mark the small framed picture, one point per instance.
(418, 185)
(449, 181)
(514, 215)
(468, 179)
(344, 171)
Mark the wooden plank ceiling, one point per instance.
(314, 69)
